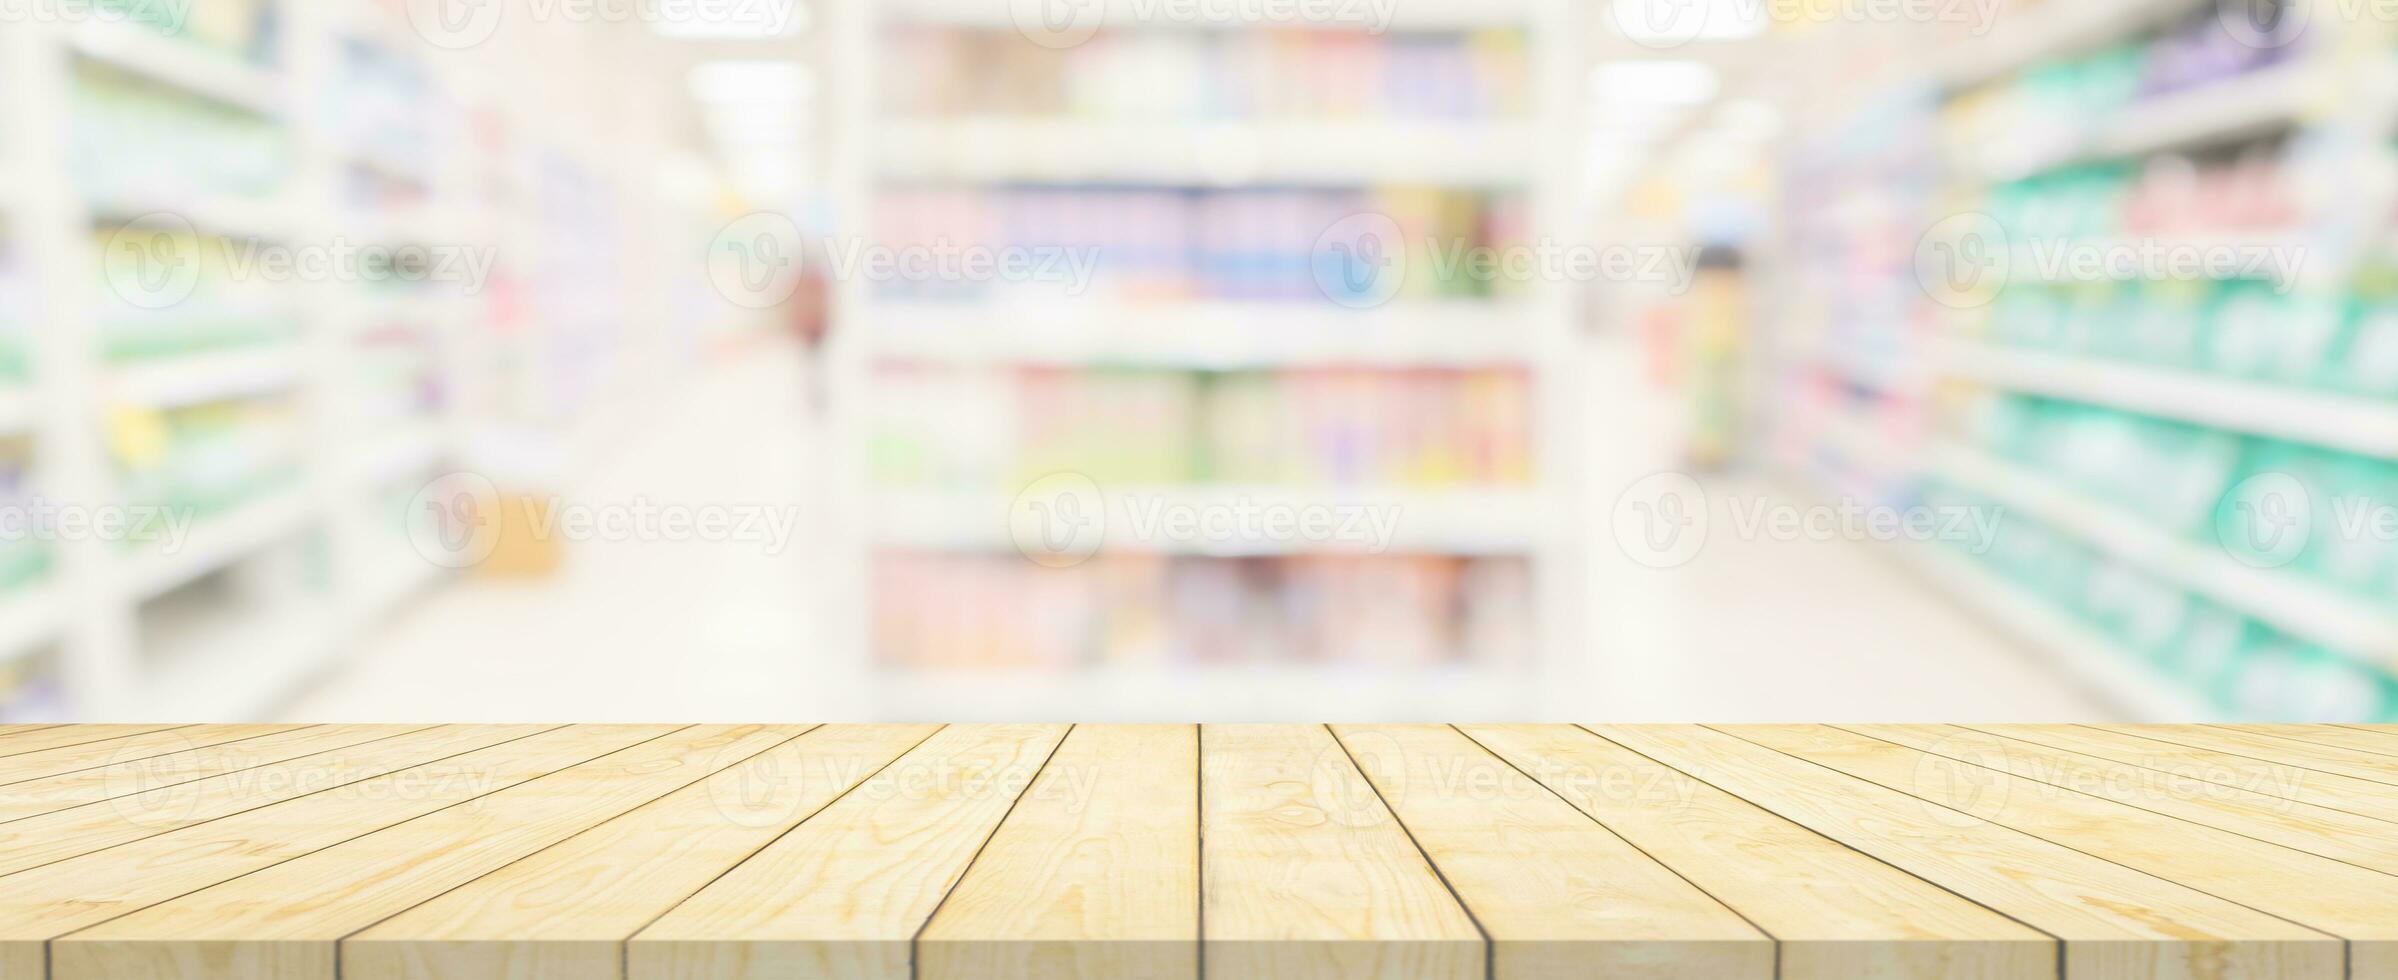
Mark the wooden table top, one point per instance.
(1359, 852)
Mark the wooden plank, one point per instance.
(2381, 740)
(1591, 905)
(134, 748)
(2342, 836)
(2357, 796)
(56, 899)
(844, 894)
(1838, 914)
(285, 921)
(2357, 904)
(67, 735)
(2368, 766)
(36, 841)
(1305, 872)
(565, 913)
(1095, 874)
(131, 778)
(2115, 922)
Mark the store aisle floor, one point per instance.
(1749, 631)
(632, 630)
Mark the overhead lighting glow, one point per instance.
(1671, 82)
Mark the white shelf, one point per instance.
(2082, 653)
(2238, 107)
(272, 219)
(2285, 599)
(29, 619)
(235, 672)
(218, 77)
(2346, 422)
(1205, 336)
(2056, 29)
(993, 150)
(16, 410)
(1127, 693)
(399, 452)
(198, 379)
(1416, 15)
(1464, 522)
(218, 541)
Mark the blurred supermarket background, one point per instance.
(1725, 360)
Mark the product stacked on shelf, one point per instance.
(193, 156)
(1193, 76)
(1129, 611)
(2172, 383)
(1266, 139)
(1147, 245)
(1850, 357)
(980, 430)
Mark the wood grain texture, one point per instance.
(565, 913)
(62, 834)
(1305, 873)
(1295, 852)
(2114, 921)
(2322, 789)
(132, 748)
(56, 898)
(1094, 876)
(844, 894)
(1593, 906)
(62, 736)
(282, 922)
(2336, 834)
(34, 797)
(2356, 904)
(2377, 739)
(2316, 756)
(1838, 914)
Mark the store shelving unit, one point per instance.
(2331, 92)
(126, 643)
(1532, 156)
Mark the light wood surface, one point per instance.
(1350, 852)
